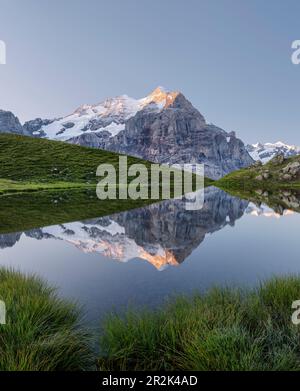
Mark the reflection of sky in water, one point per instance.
(253, 249)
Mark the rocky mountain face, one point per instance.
(162, 234)
(163, 127)
(34, 128)
(266, 152)
(9, 123)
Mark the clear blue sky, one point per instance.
(231, 58)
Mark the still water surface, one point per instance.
(143, 256)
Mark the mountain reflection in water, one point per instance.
(162, 234)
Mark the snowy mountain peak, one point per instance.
(160, 89)
(163, 127)
(109, 115)
(161, 96)
(267, 151)
(121, 106)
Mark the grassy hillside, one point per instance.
(277, 173)
(35, 160)
(30, 164)
(46, 182)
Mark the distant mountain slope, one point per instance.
(266, 152)
(9, 123)
(163, 127)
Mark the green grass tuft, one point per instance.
(226, 329)
(42, 332)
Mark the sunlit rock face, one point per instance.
(162, 234)
(175, 132)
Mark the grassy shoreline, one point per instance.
(8, 187)
(225, 329)
(42, 331)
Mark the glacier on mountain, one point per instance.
(265, 152)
